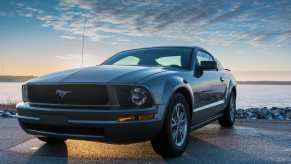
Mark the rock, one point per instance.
(7, 114)
(274, 108)
(264, 113)
(288, 110)
(273, 113)
(251, 115)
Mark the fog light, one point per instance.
(142, 117)
(145, 117)
(127, 118)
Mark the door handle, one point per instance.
(221, 79)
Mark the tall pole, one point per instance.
(2, 69)
(83, 42)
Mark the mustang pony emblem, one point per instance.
(62, 93)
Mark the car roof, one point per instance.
(192, 47)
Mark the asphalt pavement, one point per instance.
(248, 142)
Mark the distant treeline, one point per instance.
(6, 78)
(264, 82)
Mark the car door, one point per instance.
(208, 88)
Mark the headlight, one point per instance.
(24, 93)
(138, 96)
(132, 96)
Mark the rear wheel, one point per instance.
(173, 138)
(52, 140)
(228, 119)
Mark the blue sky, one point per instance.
(38, 37)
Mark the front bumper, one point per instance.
(88, 123)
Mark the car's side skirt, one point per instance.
(209, 120)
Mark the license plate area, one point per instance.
(53, 119)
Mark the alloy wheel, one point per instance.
(232, 107)
(179, 124)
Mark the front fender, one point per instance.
(172, 85)
(162, 87)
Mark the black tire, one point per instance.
(165, 144)
(228, 119)
(52, 140)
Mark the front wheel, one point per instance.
(173, 138)
(228, 119)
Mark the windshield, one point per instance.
(163, 57)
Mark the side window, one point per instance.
(129, 60)
(203, 56)
(169, 60)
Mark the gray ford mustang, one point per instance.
(158, 94)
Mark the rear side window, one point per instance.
(170, 61)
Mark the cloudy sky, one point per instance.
(38, 37)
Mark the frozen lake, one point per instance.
(248, 95)
(10, 92)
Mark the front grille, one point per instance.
(68, 94)
(82, 130)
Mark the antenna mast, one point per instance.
(2, 69)
(83, 42)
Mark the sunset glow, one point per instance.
(38, 37)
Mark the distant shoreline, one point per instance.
(264, 82)
(7, 78)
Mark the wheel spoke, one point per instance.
(178, 112)
(174, 133)
(182, 122)
(177, 135)
(181, 133)
(182, 117)
(174, 123)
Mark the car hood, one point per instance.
(100, 74)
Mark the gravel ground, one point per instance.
(250, 141)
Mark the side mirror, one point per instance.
(207, 65)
